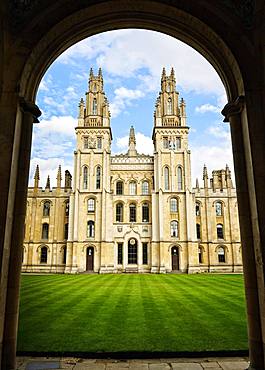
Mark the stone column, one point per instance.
(235, 113)
(26, 115)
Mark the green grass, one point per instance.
(112, 313)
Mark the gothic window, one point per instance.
(165, 142)
(221, 254)
(67, 209)
(85, 177)
(132, 251)
(173, 205)
(198, 231)
(66, 231)
(64, 255)
(197, 209)
(43, 255)
(179, 176)
(45, 231)
(46, 209)
(166, 178)
(178, 143)
(200, 253)
(145, 187)
(119, 212)
(85, 142)
(218, 209)
(220, 231)
(132, 208)
(91, 205)
(145, 253)
(98, 176)
(145, 212)
(90, 229)
(169, 106)
(174, 229)
(94, 107)
(120, 253)
(99, 142)
(119, 187)
(132, 188)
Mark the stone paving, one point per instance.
(67, 363)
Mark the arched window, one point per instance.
(145, 212)
(95, 107)
(220, 231)
(85, 142)
(132, 188)
(45, 231)
(179, 176)
(132, 251)
(197, 209)
(178, 143)
(99, 142)
(66, 231)
(166, 178)
(67, 209)
(132, 216)
(145, 187)
(90, 229)
(46, 209)
(218, 209)
(169, 106)
(43, 255)
(91, 205)
(173, 205)
(174, 229)
(85, 177)
(200, 254)
(119, 212)
(198, 231)
(64, 255)
(119, 187)
(98, 176)
(221, 254)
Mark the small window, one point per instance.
(200, 253)
(66, 231)
(173, 205)
(132, 188)
(132, 213)
(98, 177)
(119, 187)
(94, 107)
(145, 212)
(46, 209)
(45, 231)
(90, 229)
(174, 229)
(197, 209)
(221, 255)
(218, 209)
(178, 143)
(145, 188)
(169, 106)
(198, 231)
(43, 255)
(85, 177)
(91, 205)
(119, 212)
(179, 175)
(220, 231)
(165, 143)
(99, 142)
(166, 178)
(67, 209)
(145, 253)
(120, 253)
(85, 142)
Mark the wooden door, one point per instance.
(175, 258)
(90, 259)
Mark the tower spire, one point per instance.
(91, 74)
(48, 183)
(132, 143)
(37, 177)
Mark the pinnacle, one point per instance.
(37, 173)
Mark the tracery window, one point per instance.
(90, 229)
(46, 209)
(132, 188)
(221, 254)
(85, 177)
(99, 142)
(94, 107)
(45, 231)
(43, 255)
(166, 178)
(174, 229)
(145, 187)
(218, 209)
(91, 205)
(98, 176)
(145, 212)
(173, 205)
(220, 231)
(119, 187)
(132, 210)
(179, 176)
(119, 212)
(169, 106)
(178, 143)
(85, 142)
(165, 143)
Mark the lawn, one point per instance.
(110, 313)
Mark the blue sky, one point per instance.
(132, 61)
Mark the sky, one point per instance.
(132, 62)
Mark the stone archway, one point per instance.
(214, 30)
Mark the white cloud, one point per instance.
(122, 98)
(207, 108)
(144, 144)
(62, 125)
(220, 132)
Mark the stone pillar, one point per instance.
(27, 113)
(235, 113)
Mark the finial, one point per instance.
(100, 72)
(59, 173)
(205, 173)
(132, 136)
(172, 73)
(81, 102)
(91, 74)
(48, 183)
(37, 173)
(163, 73)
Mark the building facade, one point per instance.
(132, 212)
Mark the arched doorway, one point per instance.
(175, 258)
(90, 259)
(132, 252)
